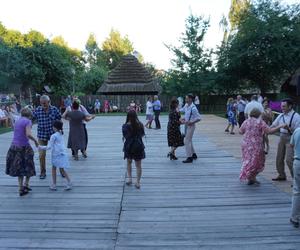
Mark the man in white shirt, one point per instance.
(284, 150)
(253, 104)
(191, 117)
(260, 99)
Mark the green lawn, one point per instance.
(5, 130)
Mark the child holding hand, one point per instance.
(59, 157)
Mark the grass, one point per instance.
(124, 114)
(5, 130)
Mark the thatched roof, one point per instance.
(290, 85)
(129, 77)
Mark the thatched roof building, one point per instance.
(130, 78)
(292, 84)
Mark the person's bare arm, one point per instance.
(30, 136)
(89, 117)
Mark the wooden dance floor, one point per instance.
(180, 206)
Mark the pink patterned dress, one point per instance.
(253, 156)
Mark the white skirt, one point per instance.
(60, 161)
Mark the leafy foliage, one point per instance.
(192, 64)
(264, 49)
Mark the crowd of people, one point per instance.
(255, 121)
(9, 113)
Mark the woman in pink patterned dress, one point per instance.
(253, 156)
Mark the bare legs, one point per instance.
(64, 172)
(266, 143)
(231, 130)
(148, 124)
(138, 165)
(23, 188)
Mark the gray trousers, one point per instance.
(188, 140)
(284, 152)
(296, 192)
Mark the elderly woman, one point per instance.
(253, 156)
(77, 136)
(19, 160)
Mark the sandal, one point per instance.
(137, 186)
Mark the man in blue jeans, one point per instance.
(156, 109)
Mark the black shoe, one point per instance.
(295, 223)
(43, 176)
(26, 188)
(278, 178)
(188, 160)
(173, 157)
(194, 156)
(23, 192)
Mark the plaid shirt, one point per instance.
(45, 121)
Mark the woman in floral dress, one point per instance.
(175, 139)
(253, 156)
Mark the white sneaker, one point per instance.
(68, 186)
(53, 187)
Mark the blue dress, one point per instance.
(131, 138)
(231, 113)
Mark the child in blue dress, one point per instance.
(231, 115)
(58, 155)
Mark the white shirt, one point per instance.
(180, 102)
(2, 114)
(251, 105)
(241, 105)
(97, 105)
(190, 112)
(149, 108)
(286, 119)
(56, 144)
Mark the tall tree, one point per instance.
(265, 49)
(237, 8)
(192, 62)
(116, 46)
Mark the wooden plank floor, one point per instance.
(192, 206)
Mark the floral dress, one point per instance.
(253, 156)
(175, 139)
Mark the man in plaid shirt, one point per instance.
(45, 115)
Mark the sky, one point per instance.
(149, 24)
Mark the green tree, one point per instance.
(192, 63)
(116, 46)
(237, 8)
(264, 50)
